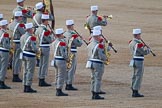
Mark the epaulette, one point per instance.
(101, 46)
(140, 45)
(21, 25)
(47, 33)
(62, 44)
(6, 35)
(74, 36)
(99, 18)
(24, 11)
(33, 38)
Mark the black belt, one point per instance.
(4, 50)
(97, 62)
(29, 51)
(27, 55)
(44, 46)
(45, 43)
(138, 59)
(59, 59)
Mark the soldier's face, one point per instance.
(31, 31)
(95, 12)
(4, 27)
(21, 4)
(138, 36)
(20, 18)
(46, 22)
(62, 36)
(43, 9)
(98, 38)
(72, 27)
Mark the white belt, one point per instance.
(30, 53)
(98, 60)
(73, 50)
(44, 45)
(138, 57)
(4, 49)
(58, 57)
(16, 40)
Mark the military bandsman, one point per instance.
(73, 40)
(96, 57)
(40, 7)
(27, 13)
(37, 21)
(29, 51)
(4, 53)
(138, 50)
(94, 20)
(60, 60)
(45, 39)
(17, 29)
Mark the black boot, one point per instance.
(70, 87)
(25, 88)
(42, 83)
(3, 85)
(136, 94)
(16, 78)
(96, 96)
(28, 89)
(101, 92)
(60, 93)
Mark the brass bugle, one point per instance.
(30, 8)
(114, 49)
(82, 38)
(109, 16)
(149, 48)
(109, 42)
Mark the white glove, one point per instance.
(108, 48)
(148, 50)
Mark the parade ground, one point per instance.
(116, 82)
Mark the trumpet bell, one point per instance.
(110, 17)
(85, 26)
